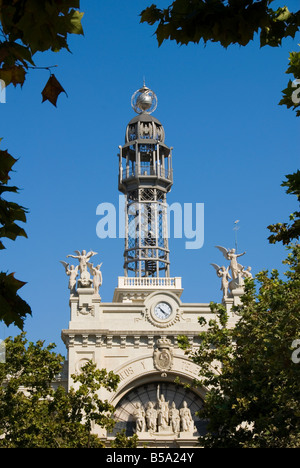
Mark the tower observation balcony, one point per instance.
(145, 159)
(145, 174)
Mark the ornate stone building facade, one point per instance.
(136, 335)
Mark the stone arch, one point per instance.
(148, 388)
(142, 370)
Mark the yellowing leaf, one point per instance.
(15, 75)
(75, 18)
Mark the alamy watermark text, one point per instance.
(180, 221)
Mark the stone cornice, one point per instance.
(121, 339)
(94, 332)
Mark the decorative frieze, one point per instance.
(99, 341)
(163, 418)
(123, 341)
(127, 340)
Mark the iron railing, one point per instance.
(146, 171)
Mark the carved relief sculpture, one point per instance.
(139, 416)
(162, 413)
(174, 418)
(163, 419)
(163, 355)
(186, 419)
(151, 417)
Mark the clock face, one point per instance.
(163, 310)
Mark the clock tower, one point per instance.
(136, 334)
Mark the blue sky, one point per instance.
(233, 146)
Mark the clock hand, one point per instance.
(165, 313)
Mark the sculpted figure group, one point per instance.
(237, 272)
(162, 417)
(85, 275)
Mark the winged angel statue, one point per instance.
(237, 271)
(232, 256)
(85, 277)
(72, 272)
(223, 273)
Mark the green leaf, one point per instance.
(31, 26)
(10, 212)
(6, 163)
(284, 232)
(13, 309)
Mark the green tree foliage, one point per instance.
(31, 26)
(27, 27)
(33, 414)
(229, 22)
(121, 441)
(254, 393)
(284, 232)
(13, 309)
(85, 403)
(291, 95)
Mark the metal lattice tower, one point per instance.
(145, 178)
